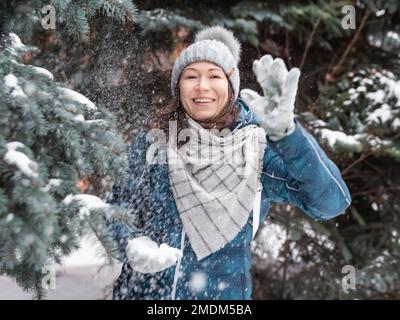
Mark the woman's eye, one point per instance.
(216, 77)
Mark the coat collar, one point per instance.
(245, 117)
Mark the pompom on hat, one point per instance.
(216, 45)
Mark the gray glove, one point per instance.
(274, 110)
(145, 256)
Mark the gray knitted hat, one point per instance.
(214, 44)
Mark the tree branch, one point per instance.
(338, 66)
(309, 41)
(363, 156)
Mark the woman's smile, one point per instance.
(203, 102)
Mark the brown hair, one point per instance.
(175, 111)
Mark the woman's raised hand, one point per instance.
(273, 110)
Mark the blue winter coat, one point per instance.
(295, 171)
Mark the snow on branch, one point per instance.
(75, 96)
(20, 159)
(89, 201)
(11, 81)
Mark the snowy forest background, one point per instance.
(60, 151)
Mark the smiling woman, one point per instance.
(204, 93)
(207, 211)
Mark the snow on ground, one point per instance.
(83, 276)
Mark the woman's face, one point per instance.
(204, 90)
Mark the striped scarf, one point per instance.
(214, 179)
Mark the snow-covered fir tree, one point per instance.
(51, 139)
